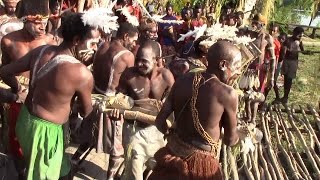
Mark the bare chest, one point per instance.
(143, 87)
(20, 49)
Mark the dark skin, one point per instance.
(17, 44)
(264, 42)
(102, 64)
(216, 103)
(150, 33)
(52, 95)
(9, 8)
(139, 83)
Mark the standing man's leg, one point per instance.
(117, 152)
(287, 88)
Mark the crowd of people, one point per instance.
(57, 61)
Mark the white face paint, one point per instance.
(236, 65)
(89, 46)
(36, 28)
(234, 69)
(145, 61)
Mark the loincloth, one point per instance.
(289, 68)
(42, 144)
(179, 160)
(12, 111)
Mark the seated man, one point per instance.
(206, 105)
(146, 83)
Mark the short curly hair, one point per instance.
(146, 24)
(72, 26)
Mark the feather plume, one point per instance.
(130, 18)
(159, 19)
(101, 18)
(196, 33)
(217, 32)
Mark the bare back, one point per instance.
(109, 65)
(15, 45)
(54, 84)
(214, 101)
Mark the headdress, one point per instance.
(33, 10)
(156, 18)
(130, 18)
(217, 32)
(9, 1)
(102, 18)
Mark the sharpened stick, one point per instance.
(233, 164)
(285, 153)
(225, 162)
(270, 151)
(310, 156)
(263, 163)
(310, 128)
(291, 140)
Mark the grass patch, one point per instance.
(306, 86)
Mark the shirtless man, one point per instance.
(274, 31)
(264, 65)
(289, 55)
(206, 105)
(148, 29)
(146, 82)
(16, 45)
(108, 66)
(56, 78)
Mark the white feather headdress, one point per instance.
(159, 19)
(196, 33)
(102, 18)
(130, 18)
(217, 31)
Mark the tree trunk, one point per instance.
(313, 34)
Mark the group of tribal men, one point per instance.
(132, 63)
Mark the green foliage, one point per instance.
(284, 14)
(305, 88)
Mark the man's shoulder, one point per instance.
(76, 70)
(227, 93)
(11, 38)
(163, 70)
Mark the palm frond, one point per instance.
(315, 8)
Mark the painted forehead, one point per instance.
(237, 58)
(146, 53)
